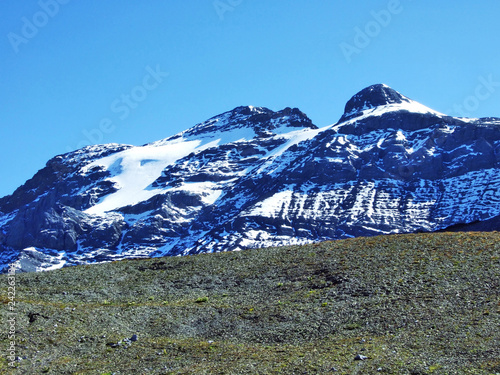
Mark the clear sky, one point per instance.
(74, 72)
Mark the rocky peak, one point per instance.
(371, 97)
(259, 119)
(295, 117)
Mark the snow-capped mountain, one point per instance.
(252, 177)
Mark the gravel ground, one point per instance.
(400, 304)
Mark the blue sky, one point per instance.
(77, 72)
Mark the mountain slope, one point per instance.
(252, 177)
(423, 303)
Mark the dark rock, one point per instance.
(360, 357)
(372, 96)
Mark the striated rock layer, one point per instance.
(252, 177)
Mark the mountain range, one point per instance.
(252, 177)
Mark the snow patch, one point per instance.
(135, 169)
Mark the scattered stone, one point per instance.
(360, 357)
(33, 317)
(126, 342)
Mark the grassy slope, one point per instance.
(412, 304)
